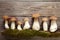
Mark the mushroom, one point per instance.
(36, 25)
(13, 19)
(53, 26)
(26, 25)
(45, 23)
(6, 22)
(19, 25)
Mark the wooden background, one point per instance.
(24, 8)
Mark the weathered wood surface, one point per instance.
(33, 0)
(27, 8)
(21, 9)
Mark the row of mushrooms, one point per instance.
(35, 25)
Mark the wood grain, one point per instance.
(21, 9)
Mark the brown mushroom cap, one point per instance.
(26, 19)
(13, 19)
(36, 15)
(45, 19)
(19, 22)
(53, 18)
(5, 17)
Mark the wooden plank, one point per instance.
(33, 0)
(25, 9)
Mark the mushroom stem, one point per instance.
(26, 25)
(53, 26)
(6, 22)
(13, 25)
(45, 24)
(19, 25)
(36, 25)
(6, 25)
(13, 19)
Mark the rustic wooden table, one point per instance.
(24, 8)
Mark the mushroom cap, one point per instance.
(19, 22)
(45, 19)
(5, 17)
(53, 18)
(13, 19)
(35, 15)
(26, 19)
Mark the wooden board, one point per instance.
(21, 9)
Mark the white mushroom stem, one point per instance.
(6, 25)
(45, 23)
(13, 25)
(19, 27)
(45, 26)
(53, 26)
(6, 21)
(36, 25)
(27, 25)
(13, 19)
